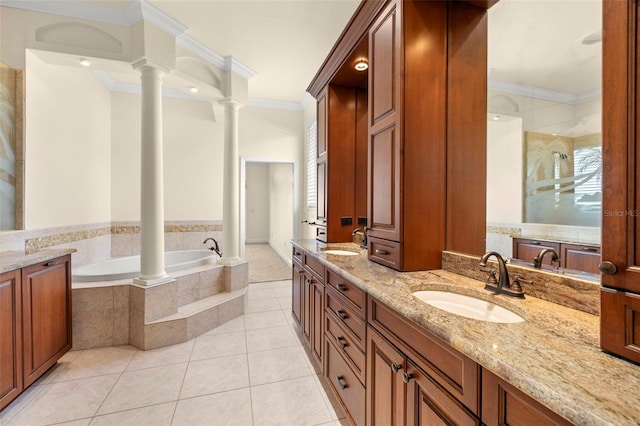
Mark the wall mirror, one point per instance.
(544, 145)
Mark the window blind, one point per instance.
(312, 143)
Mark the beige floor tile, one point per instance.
(236, 324)
(140, 388)
(336, 413)
(277, 365)
(282, 291)
(94, 362)
(215, 375)
(264, 320)
(271, 338)
(271, 284)
(260, 293)
(231, 408)
(175, 354)
(262, 305)
(81, 422)
(65, 401)
(272, 403)
(19, 403)
(285, 303)
(154, 415)
(219, 345)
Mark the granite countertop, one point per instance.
(553, 356)
(12, 260)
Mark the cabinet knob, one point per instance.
(407, 377)
(341, 342)
(341, 382)
(608, 268)
(395, 367)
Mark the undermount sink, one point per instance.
(467, 306)
(339, 252)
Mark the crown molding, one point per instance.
(71, 9)
(136, 89)
(541, 93)
(269, 103)
(159, 18)
(203, 52)
(232, 64)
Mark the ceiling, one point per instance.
(532, 43)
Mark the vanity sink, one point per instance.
(467, 306)
(339, 252)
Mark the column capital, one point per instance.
(231, 102)
(144, 62)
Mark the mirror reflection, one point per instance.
(544, 145)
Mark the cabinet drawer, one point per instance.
(456, 373)
(345, 385)
(580, 257)
(298, 255)
(313, 265)
(352, 292)
(620, 323)
(344, 341)
(321, 233)
(527, 249)
(387, 253)
(346, 316)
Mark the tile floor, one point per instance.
(252, 370)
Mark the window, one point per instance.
(312, 143)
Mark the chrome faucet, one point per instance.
(537, 261)
(214, 247)
(502, 284)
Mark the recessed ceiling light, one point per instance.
(361, 65)
(193, 89)
(85, 62)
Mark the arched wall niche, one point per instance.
(199, 70)
(80, 38)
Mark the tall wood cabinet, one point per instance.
(35, 323)
(620, 296)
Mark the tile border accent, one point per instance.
(38, 243)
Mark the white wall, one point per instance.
(281, 208)
(67, 145)
(257, 194)
(193, 159)
(504, 170)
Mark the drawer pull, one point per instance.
(407, 377)
(341, 342)
(343, 316)
(297, 254)
(535, 243)
(585, 248)
(51, 263)
(395, 367)
(382, 252)
(341, 382)
(341, 287)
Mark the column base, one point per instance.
(142, 282)
(229, 261)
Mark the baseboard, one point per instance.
(256, 241)
(279, 252)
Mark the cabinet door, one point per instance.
(430, 405)
(620, 334)
(503, 404)
(307, 290)
(385, 388)
(10, 335)
(297, 282)
(46, 315)
(317, 317)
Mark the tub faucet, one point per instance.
(360, 237)
(502, 284)
(537, 261)
(214, 247)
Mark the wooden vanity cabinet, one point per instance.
(10, 333)
(503, 404)
(578, 257)
(35, 323)
(527, 249)
(619, 322)
(297, 291)
(413, 379)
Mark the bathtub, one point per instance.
(129, 267)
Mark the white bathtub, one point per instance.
(129, 267)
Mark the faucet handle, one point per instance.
(491, 279)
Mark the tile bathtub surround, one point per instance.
(271, 380)
(573, 293)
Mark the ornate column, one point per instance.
(231, 185)
(151, 190)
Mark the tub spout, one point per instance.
(214, 247)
